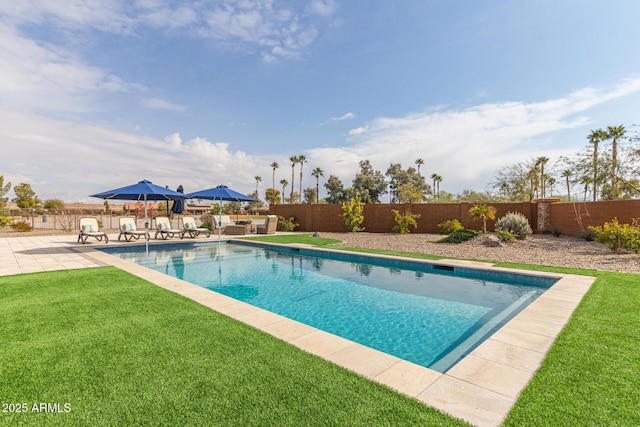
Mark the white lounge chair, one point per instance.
(192, 229)
(129, 230)
(163, 227)
(269, 226)
(89, 228)
(221, 222)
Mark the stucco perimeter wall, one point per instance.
(571, 218)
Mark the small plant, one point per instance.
(352, 214)
(460, 236)
(404, 221)
(588, 234)
(515, 223)
(556, 230)
(21, 226)
(4, 221)
(505, 235)
(483, 212)
(286, 224)
(618, 236)
(449, 226)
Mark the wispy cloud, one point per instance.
(346, 116)
(161, 104)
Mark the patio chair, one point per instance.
(129, 230)
(221, 222)
(89, 228)
(163, 227)
(269, 226)
(190, 227)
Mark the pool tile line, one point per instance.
(480, 389)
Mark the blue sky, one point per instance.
(95, 95)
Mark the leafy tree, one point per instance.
(317, 173)
(335, 190)
(369, 185)
(409, 194)
(310, 195)
(399, 177)
(4, 189)
(54, 205)
(26, 197)
(483, 212)
(272, 196)
(541, 162)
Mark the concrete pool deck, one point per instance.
(480, 389)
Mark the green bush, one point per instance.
(352, 214)
(404, 221)
(515, 223)
(449, 226)
(4, 221)
(505, 235)
(618, 236)
(460, 236)
(286, 224)
(21, 226)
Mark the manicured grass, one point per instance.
(121, 351)
(286, 239)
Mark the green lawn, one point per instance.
(122, 351)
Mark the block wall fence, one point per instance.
(543, 215)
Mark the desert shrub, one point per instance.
(21, 226)
(556, 230)
(618, 236)
(449, 226)
(352, 214)
(505, 235)
(588, 234)
(4, 221)
(460, 236)
(286, 224)
(404, 221)
(515, 223)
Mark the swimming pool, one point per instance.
(429, 314)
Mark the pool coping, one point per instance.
(480, 389)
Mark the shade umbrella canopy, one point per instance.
(178, 205)
(220, 193)
(143, 190)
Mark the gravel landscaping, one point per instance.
(536, 249)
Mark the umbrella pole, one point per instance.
(219, 219)
(146, 225)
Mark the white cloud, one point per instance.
(161, 104)
(346, 116)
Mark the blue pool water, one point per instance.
(431, 315)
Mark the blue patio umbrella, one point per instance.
(178, 205)
(220, 193)
(144, 191)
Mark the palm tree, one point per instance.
(294, 160)
(540, 162)
(302, 160)
(258, 179)
(434, 177)
(274, 166)
(595, 138)
(419, 162)
(483, 212)
(284, 184)
(438, 181)
(317, 173)
(566, 174)
(615, 133)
